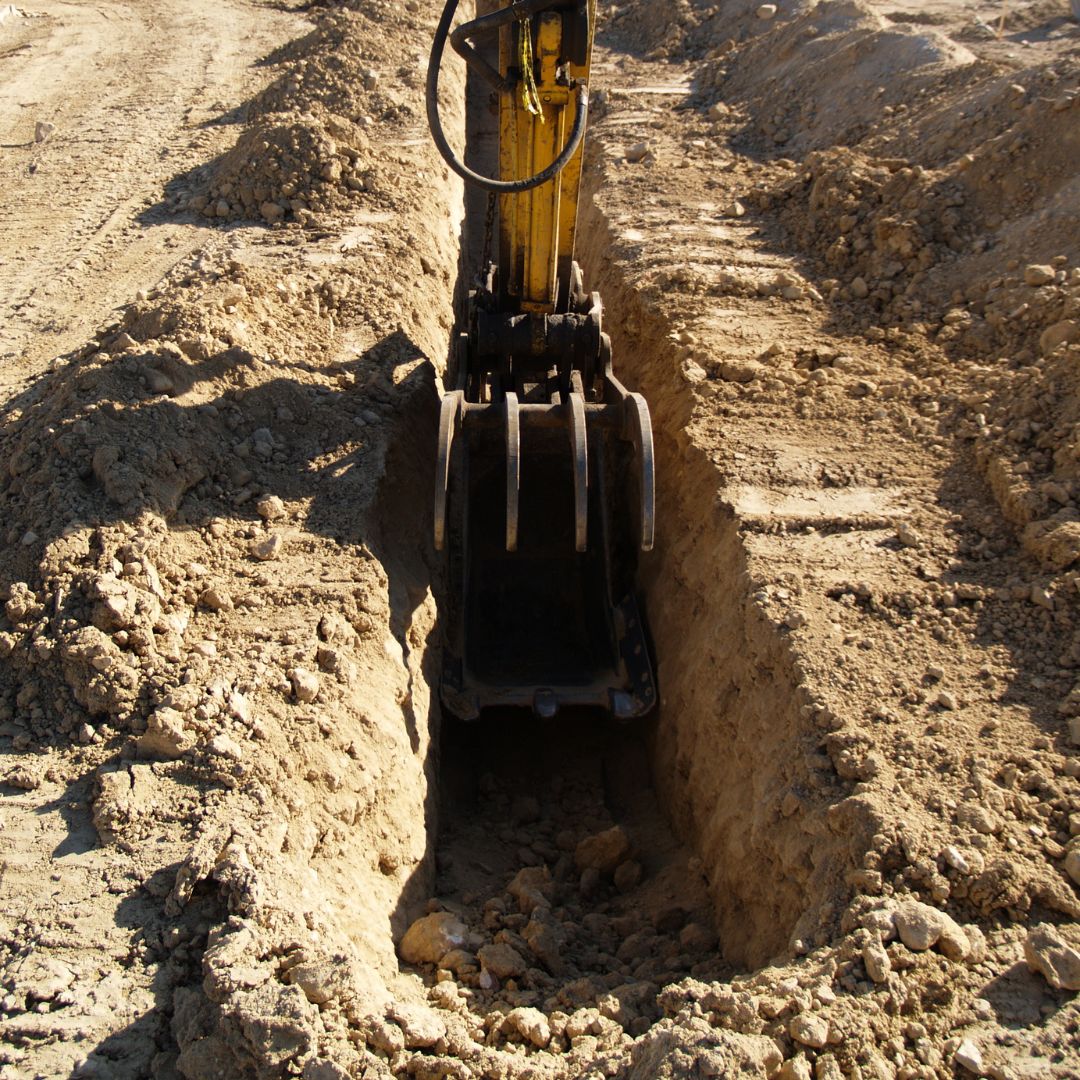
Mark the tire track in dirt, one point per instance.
(84, 229)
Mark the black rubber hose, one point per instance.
(501, 187)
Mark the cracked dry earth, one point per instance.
(838, 248)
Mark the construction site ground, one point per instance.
(839, 252)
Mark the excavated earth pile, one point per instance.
(836, 244)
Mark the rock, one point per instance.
(420, 1025)
(164, 736)
(946, 700)
(431, 938)
(907, 536)
(876, 959)
(1060, 333)
(270, 508)
(627, 875)
(1037, 274)
(266, 549)
(42, 130)
(741, 371)
(531, 888)
(215, 599)
(810, 1030)
(766, 12)
(969, 1056)
(718, 110)
(545, 938)
(919, 925)
(305, 684)
(697, 938)
(1072, 856)
(735, 209)
(502, 961)
(603, 851)
(530, 1024)
(1048, 953)
(1055, 543)
(272, 212)
(859, 289)
(226, 747)
(796, 1068)
(638, 152)
(158, 382)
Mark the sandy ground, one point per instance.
(838, 248)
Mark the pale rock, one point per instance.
(766, 12)
(270, 508)
(1036, 275)
(859, 289)
(969, 1056)
(946, 700)
(272, 212)
(164, 736)
(718, 110)
(226, 747)
(876, 959)
(42, 130)
(1048, 953)
(1072, 862)
(734, 209)
(432, 937)
(530, 1024)
(603, 851)
(305, 684)
(637, 152)
(796, 1068)
(266, 549)
(919, 925)
(810, 1030)
(420, 1025)
(908, 536)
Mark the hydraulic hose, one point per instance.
(501, 187)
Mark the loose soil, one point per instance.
(838, 252)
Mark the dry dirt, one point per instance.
(839, 253)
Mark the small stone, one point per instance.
(164, 736)
(1041, 597)
(796, 1068)
(810, 1030)
(1060, 333)
(945, 700)
(305, 684)
(531, 888)
(969, 1056)
(1037, 275)
(918, 925)
(226, 747)
(271, 508)
(637, 152)
(876, 959)
(216, 600)
(421, 1025)
(627, 875)
(1048, 953)
(158, 382)
(272, 213)
(502, 961)
(430, 939)
(907, 536)
(718, 110)
(1072, 864)
(734, 209)
(531, 1024)
(859, 289)
(766, 12)
(603, 851)
(42, 130)
(267, 549)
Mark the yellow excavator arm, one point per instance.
(542, 607)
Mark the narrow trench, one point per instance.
(551, 840)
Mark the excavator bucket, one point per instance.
(544, 515)
(545, 474)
